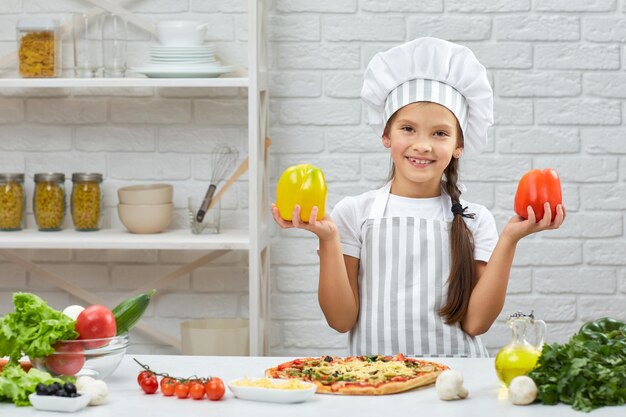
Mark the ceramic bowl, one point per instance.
(181, 32)
(145, 219)
(97, 358)
(146, 194)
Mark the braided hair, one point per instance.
(462, 278)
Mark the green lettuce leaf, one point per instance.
(33, 328)
(16, 385)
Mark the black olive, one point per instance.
(69, 388)
(61, 393)
(328, 359)
(42, 389)
(54, 387)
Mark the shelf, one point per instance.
(122, 82)
(121, 239)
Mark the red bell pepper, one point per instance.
(535, 189)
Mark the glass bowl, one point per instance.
(97, 358)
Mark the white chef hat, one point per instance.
(431, 69)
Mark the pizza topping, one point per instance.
(360, 374)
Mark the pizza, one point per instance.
(360, 375)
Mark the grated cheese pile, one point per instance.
(289, 384)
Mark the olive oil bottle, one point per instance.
(519, 357)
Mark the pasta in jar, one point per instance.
(49, 201)
(86, 201)
(12, 201)
(38, 48)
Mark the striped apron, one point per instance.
(403, 273)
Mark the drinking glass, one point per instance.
(86, 35)
(114, 46)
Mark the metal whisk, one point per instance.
(223, 158)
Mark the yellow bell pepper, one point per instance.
(303, 185)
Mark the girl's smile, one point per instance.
(419, 162)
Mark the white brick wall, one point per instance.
(557, 68)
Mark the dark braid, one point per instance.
(462, 273)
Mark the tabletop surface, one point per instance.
(486, 397)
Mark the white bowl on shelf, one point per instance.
(146, 194)
(145, 218)
(181, 32)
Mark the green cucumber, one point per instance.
(128, 312)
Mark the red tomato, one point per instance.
(535, 189)
(167, 380)
(196, 391)
(95, 322)
(142, 375)
(168, 386)
(182, 390)
(68, 359)
(149, 385)
(214, 388)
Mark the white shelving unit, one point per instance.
(255, 240)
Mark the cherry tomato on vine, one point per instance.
(142, 375)
(196, 391)
(149, 385)
(182, 390)
(168, 386)
(214, 388)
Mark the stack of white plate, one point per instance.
(182, 55)
(183, 61)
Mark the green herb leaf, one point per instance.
(587, 372)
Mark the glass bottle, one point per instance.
(49, 201)
(87, 201)
(12, 202)
(519, 357)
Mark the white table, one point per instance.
(126, 398)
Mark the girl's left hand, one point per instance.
(519, 227)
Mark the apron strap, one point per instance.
(380, 202)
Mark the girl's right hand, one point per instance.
(324, 229)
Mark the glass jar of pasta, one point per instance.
(39, 47)
(12, 202)
(87, 201)
(49, 201)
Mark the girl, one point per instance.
(411, 267)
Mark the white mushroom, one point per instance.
(522, 390)
(82, 381)
(99, 392)
(73, 311)
(449, 385)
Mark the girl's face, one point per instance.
(423, 137)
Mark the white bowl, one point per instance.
(146, 194)
(181, 32)
(61, 404)
(274, 395)
(145, 219)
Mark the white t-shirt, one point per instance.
(351, 213)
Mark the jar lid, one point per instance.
(37, 23)
(50, 177)
(86, 176)
(11, 177)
